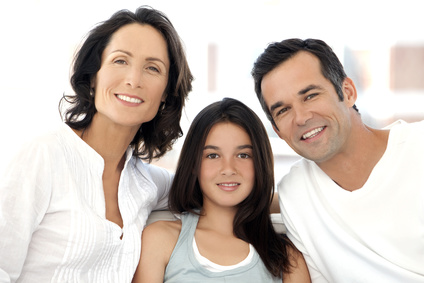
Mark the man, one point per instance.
(354, 205)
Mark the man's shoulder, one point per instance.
(298, 178)
(401, 131)
(301, 168)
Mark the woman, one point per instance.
(223, 189)
(74, 203)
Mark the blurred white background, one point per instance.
(381, 44)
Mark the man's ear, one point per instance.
(276, 130)
(349, 92)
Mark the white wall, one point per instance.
(39, 37)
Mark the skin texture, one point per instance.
(226, 172)
(302, 101)
(317, 125)
(134, 65)
(226, 159)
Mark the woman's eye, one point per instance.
(120, 61)
(152, 68)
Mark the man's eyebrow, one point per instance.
(309, 88)
(275, 106)
(300, 92)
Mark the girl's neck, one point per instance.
(220, 220)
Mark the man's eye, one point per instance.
(281, 111)
(310, 96)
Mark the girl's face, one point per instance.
(227, 172)
(133, 75)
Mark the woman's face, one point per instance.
(227, 173)
(133, 75)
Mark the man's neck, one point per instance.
(351, 169)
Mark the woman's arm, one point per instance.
(299, 272)
(157, 243)
(25, 189)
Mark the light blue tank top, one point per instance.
(184, 268)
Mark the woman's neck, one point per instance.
(110, 141)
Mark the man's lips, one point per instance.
(312, 133)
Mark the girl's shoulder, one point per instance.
(160, 238)
(163, 232)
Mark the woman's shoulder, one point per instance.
(39, 148)
(156, 172)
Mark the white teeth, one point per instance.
(312, 133)
(229, 185)
(129, 99)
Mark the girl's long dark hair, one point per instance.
(252, 222)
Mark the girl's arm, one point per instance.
(157, 243)
(299, 272)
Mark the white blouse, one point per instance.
(52, 213)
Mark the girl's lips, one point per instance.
(228, 186)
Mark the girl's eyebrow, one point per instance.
(210, 147)
(239, 147)
(249, 146)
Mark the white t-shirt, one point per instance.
(52, 213)
(374, 234)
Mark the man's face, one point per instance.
(306, 109)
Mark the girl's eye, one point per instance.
(212, 156)
(244, 155)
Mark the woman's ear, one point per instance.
(93, 82)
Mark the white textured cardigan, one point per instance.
(52, 213)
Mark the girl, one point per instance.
(222, 189)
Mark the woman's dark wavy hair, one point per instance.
(157, 136)
(252, 222)
(279, 52)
